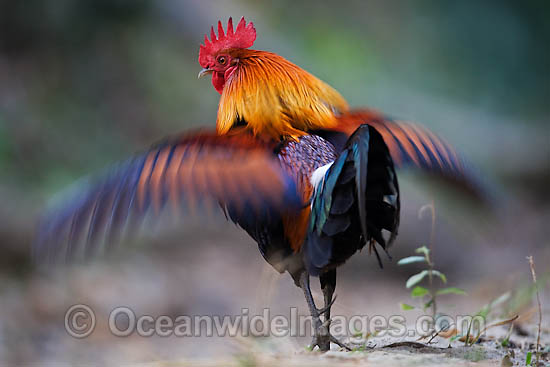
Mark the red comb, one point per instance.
(243, 37)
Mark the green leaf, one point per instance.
(411, 259)
(451, 290)
(528, 359)
(423, 250)
(429, 303)
(417, 278)
(419, 291)
(406, 307)
(440, 275)
(484, 311)
(457, 336)
(500, 299)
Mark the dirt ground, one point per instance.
(220, 278)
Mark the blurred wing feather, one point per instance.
(411, 145)
(234, 171)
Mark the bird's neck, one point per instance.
(273, 97)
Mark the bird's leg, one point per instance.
(321, 334)
(328, 285)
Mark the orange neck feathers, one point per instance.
(276, 98)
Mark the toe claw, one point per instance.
(323, 338)
(339, 343)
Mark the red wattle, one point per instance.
(218, 81)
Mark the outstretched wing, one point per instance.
(236, 171)
(412, 145)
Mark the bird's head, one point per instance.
(263, 91)
(220, 55)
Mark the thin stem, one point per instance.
(429, 257)
(430, 260)
(534, 275)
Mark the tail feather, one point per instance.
(356, 201)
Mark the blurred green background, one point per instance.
(90, 82)
(87, 83)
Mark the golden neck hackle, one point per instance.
(276, 98)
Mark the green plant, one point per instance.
(506, 341)
(427, 295)
(473, 333)
(507, 304)
(528, 359)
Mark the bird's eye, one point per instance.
(222, 60)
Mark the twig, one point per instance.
(467, 336)
(430, 256)
(406, 344)
(534, 274)
(444, 329)
(500, 323)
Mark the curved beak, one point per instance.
(205, 71)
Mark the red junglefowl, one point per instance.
(310, 180)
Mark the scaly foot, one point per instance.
(322, 337)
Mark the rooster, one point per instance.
(311, 181)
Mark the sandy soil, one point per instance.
(220, 281)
